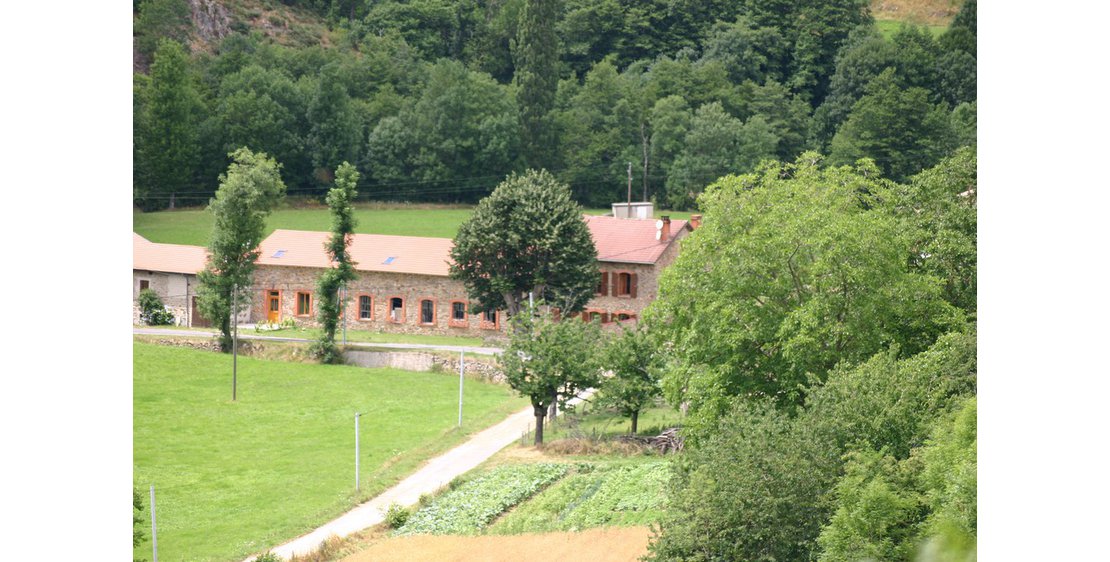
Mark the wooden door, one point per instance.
(273, 306)
(198, 321)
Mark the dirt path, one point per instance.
(434, 475)
(613, 544)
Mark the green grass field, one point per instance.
(889, 27)
(193, 226)
(233, 478)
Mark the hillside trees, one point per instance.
(162, 19)
(328, 303)
(248, 192)
(527, 236)
(897, 127)
(168, 147)
(334, 135)
(461, 132)
(795, 269)
(550, 361)
(536, 56)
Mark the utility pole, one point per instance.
(153, 524)
(461, 364)
(629, 208)
(356, 449)
(234, 339)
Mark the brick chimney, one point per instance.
(665, 232)
(695, 221)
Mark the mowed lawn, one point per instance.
(193, 226)
(233, 478)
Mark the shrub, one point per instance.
(396, 516)
(151, 309)
(267, 557)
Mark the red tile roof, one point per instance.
(630, 240)
(169, 258)
(370, 252)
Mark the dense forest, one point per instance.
(438, 100)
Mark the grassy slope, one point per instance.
(234, 477)
(193, 226)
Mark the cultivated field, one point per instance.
(625, 544)
(236, 477)
(193, 226)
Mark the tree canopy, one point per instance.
(795, 269)
(550, 361)
(527, 236)
(248, 192)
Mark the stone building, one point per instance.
(403, 284)
(170, 270)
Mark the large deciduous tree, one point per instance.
(528, 236)
(168, 146)
(550, 361)
(536, 57)
(340, 199)
(795, 269)
(248, 192)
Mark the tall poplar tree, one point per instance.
(168, 149)
(536, 57)
(249, 190)
(340, 199)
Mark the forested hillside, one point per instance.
(437, 100)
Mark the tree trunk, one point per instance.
(635, 416)
(172, 196)
(554, 408)
(540, 412)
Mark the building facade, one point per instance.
(403, 284)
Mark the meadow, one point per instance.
(233, 478)
(193, 226)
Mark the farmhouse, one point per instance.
(403, 284)
(170, 270)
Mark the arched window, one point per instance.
(427, 311)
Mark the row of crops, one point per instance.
(546, 497)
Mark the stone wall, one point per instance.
(419, 361)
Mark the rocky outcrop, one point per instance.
(210, 20)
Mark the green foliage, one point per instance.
(471, 506)
(897, 127)
(889, 509)
(717, 145)
(527, 236)
(162, 19)
(878, 509)
(396, 516)
(462, 131)
(889, 403)
(550, 361)
(268, 557)
(248, 192)
(168, 144)
(138, 535)
(940, 205)
(340, 199)
(334, 136)
(151, 310)
(795, 269)
(949, 481)
(536, 55)
(753, 489)
(635, 364)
